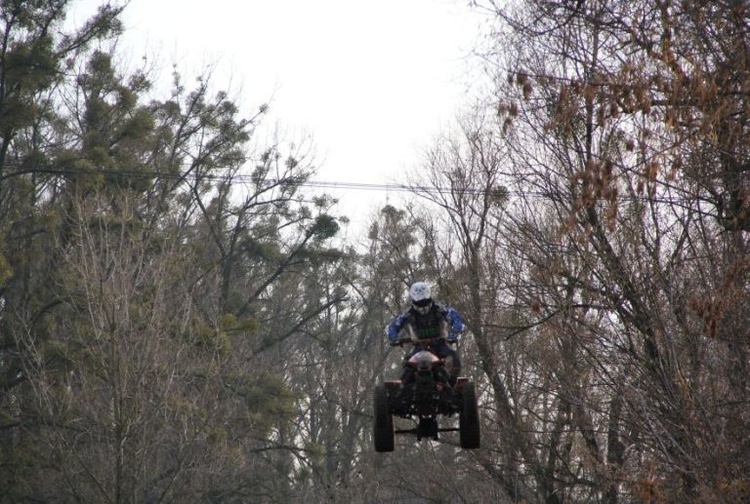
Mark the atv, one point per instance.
(423, 399)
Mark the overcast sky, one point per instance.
(371, 82)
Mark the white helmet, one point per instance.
(420, 296)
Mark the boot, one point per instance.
(455, 372)
(407, 376)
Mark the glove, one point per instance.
(394, 342)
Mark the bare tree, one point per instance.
(612, 113)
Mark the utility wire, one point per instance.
(245, 178)
(267, 183)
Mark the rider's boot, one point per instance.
(407, 376)
(455, 372)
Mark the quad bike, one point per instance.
(424, 399)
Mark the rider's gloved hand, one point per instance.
(394, 342)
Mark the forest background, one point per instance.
(180, 320)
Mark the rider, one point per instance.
(426, 316)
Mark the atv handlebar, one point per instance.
(423, 342)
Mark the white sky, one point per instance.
(370, 82)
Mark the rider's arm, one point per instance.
(395, 327)
(456, 323)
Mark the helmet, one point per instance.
(420, 297)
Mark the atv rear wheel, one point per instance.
(383, 424)
(468, 419)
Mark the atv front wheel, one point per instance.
(383, 424)
(468, 419)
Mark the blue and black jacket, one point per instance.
(427, 325)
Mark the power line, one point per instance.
(357, 186)
(269, 183)
(245, 178)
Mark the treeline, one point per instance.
(180, 320)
